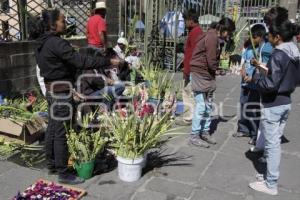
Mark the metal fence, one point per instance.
(164, 49)
(140, 20)
(132, 20)
(16, 16)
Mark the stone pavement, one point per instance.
(180, 171)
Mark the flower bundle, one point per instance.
(42, 191)
(141, 105)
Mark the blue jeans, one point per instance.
(273, 121)
(201, 119)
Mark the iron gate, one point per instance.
(140, 20)
(164, 50)
(17, 15)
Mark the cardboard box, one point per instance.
(28, 132)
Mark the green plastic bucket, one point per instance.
(224, 64)
(85, 170)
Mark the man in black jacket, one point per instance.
(276, 84)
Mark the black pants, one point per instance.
(250, 112)
(60, 109)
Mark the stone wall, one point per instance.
(17, 66)
(17, 61)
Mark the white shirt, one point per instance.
(119, 52)
(134, 61)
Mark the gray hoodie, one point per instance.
(290, 48)
(276, 86)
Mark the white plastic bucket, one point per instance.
(130, 170)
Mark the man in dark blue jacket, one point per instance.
(276, 82)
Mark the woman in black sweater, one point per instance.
(58, 63)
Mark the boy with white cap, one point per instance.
(121, 47)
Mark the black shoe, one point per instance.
(70, 179)
(208, 138)
(241, 134)
(196, 141)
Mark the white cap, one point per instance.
(100, 5)
(122, 41)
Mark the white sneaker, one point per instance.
(261, 186)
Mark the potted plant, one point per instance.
(84, 147)
(132, 137)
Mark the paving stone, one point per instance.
(17, 179)
(289, 173)
(6, 166)
(88, 197)
(170, 188)
(109, 187)
(178, 198)
(180, 140)
(282, 195)
(220, 132)
(236, 147)
(227, 177)
(228, 109)
(213, 194)
(229, 174)
(191, 161)
(150, 195)
(292, 133)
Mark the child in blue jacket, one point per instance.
(250, 99)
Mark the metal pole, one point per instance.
(134, 16)
(22, 18)
(141, 20)
(130, 20)
(120, 16)
(175, 40)
(147, 3)
(125, 20)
